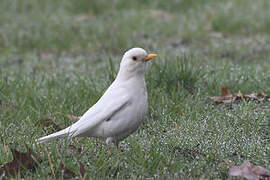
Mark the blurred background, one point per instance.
(71, 32)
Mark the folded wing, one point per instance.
(110, 103)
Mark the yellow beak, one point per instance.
(150, 56)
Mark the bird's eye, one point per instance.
(134, 58)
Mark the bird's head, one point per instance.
(134, 61)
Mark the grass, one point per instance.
(58, 57)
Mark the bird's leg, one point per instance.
(109, 145)
(110, 141)
(109, 151)
(117, 147)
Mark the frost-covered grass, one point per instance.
(58, 57)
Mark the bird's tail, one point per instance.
(62, 133)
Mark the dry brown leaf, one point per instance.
(228, 98)
(263, 94)
(257, 96)
(250, 171)
(220, 99)
(251, 96)
(226, 92)
(47, 122)
(21, 161)
(72, 149)
(239, 96)
(65, 172)
(72, 117)
(82, 170)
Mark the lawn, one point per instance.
(58, 57)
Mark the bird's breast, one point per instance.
(128, 119)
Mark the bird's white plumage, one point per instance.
(120, 110)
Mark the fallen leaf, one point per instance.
(72, 117)
(249, 171)
(257, 96)
(251, 96)
(225, 91)
(226, 96)
(72, 149)
(65, 172)
(47, 122)
(21, 161)
(262, 94)
(82, 170)
(239, 96)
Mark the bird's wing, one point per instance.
(113, 100)
(110, 103)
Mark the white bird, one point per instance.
(121, 109)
